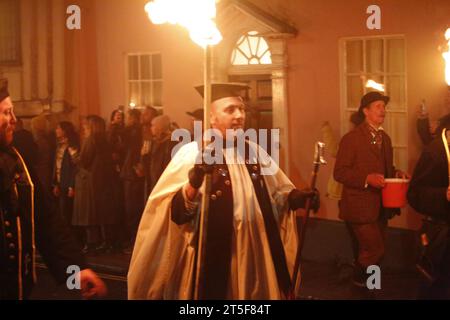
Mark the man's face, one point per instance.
(118, 117)
(156, 129)
(375, 113)
(7, 122)
(227, 113)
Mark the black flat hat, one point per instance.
(370, 97)
(3, 89)
(224, 90)
(197, 114)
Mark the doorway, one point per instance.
(258, 100)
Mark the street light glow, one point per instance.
(195, 15)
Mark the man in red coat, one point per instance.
(363, 161)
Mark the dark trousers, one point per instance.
(439, 289)
(65, 207)
(134, 205)
(368, 247)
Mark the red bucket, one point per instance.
(394, 193)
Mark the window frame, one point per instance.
(245, 39)
(389, 121)
(140, 80)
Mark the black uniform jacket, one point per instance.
(429, 183)
(28, 221)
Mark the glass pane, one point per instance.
(348, 125)
(395, 88)
(133, 93)
(157, 66)
(374, 83)
(245, 48)
(253, 43)
(395, 55)
(145, 67)
(240, 41)
(374, 55)
(401, 158)
(354, 56)
(133, 71)
(240, 59)
(354, 91)
(157, 93)
(266, 58)
(396, 125)
(146, 93)
(262, 47)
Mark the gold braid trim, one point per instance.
(447, 151)
(19, 258)
(33, 242)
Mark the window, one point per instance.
(144, 80)
(382, 60)
(251, 49)
(10, 50)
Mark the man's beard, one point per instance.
(6, 137)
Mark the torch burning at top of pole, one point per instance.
(446, 56)
(375, 85)
(195, 15)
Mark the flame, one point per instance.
(374, 85)
(196, 15)
(446, 56)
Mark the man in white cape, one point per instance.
(251, 234)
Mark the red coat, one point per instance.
(357, 157)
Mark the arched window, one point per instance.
(251, 49)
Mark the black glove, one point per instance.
(196, 176)
(297, 199)
(197, 173)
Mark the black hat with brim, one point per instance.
(224, 90)
(197, 114)
(370, 97)
(3, 89)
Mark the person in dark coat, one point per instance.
(363, 161)
(132, 183)
(24, 143)
(147, 117)
(28, 221)
(429, 194)
(64, 168)
(116, 137)
(45, 157)
(428, 130)
(154, 162)
(96, 193)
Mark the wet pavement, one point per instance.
(323, 281)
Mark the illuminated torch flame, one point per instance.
(375, 85)
(196, 15)
(446, 56)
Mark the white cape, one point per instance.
(162, 264)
